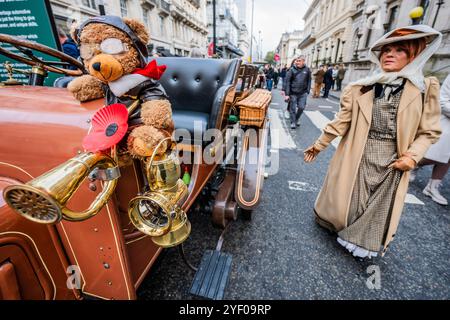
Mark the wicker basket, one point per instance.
(253, 109)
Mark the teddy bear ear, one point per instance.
(138, 28)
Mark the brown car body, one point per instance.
(42, 127)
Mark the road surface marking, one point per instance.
(332, 101)
(274, 104)
(301, 186)
(320, 121)
(326, 107)
(410, 198)
(280, 138)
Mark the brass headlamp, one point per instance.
(158, 212)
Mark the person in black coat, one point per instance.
(296, 87)
(328, 80)
(276, 76)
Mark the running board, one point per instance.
(212, 275)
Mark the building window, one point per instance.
(145, 17)
(392, 17)
(90, 4)
(123, 8)
(161, 26)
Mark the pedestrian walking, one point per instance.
(261, 79)
(387, 122)
(276, 76)
(334, 76)
(328, 80)
(318, 81)
(268, 72)
(340, 77)
(439, 153)
(287, 113)
(298, 85)
(283, 73)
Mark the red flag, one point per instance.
(211, 49)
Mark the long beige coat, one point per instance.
(417, 128)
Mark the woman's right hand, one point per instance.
(310, 154)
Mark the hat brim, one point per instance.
(429, 36)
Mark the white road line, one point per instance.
(274, 104)
(281, 139)
(301, 186)
(326, 107)
(320, 121)
(410, 198)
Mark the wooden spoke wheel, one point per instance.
(26, 47)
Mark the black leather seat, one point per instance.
(197, 89)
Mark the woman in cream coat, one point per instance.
(387, 122)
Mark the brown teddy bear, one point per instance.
(114, 52)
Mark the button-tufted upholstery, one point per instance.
(197, 88)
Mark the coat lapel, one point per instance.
(410, 94)
(365, 102)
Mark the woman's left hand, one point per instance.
(404, 163)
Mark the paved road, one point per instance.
(283, 254)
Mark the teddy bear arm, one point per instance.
(158, 113)
(86, 88)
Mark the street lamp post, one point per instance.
(331, 54)
(355, 54)
(312, 55)
(214, 28)
(318, 54)
(343, 43)
(259, 42)
(439, 4)
(325, 56)
(251, 33)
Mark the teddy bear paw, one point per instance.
(86, 88)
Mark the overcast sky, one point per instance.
(273, 17)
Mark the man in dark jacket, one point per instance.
(328, 80)
(296, 87)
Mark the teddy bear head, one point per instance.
(111, 46)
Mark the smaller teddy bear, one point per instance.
(114, 52)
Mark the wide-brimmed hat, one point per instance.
(413, 70)
(405, 33)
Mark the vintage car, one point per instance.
(76, 225)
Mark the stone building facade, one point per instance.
(176, 26)
(348, 28)
(288, 47)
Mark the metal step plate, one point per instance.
(212, 275)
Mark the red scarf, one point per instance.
(151, 70)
